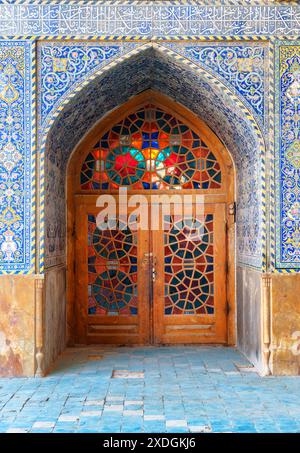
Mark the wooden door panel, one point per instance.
(113, 289)
(112, 281)
(190, 288)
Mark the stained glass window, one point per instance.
(189, 267)
(112, 270)
(150, 149)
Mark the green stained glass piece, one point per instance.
(218, 178)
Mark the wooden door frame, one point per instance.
(228, 189)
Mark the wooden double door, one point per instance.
(161, 284)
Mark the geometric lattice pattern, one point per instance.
(112, 270)
(189, 266)
(150, 149)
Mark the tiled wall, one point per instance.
(233, 75)
(16, 157)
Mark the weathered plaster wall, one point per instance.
(249, 314)
(54, 315)
(285, 326)
(17, 325)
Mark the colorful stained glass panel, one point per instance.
(150, 149)
(112, 270)
(189, 266)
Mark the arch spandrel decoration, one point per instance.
(150, 148)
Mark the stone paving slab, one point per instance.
(183, 389)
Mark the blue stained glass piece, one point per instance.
(91, 259)
(133, 269)
(218, 177)
(133, 310)
(117, 129)
(203, 297)
(139, 123)
(180, 304)
(146, 144)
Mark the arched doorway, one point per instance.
(168, 284)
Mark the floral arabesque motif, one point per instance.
(290, 155)
(62, 65)
(15, 159)
(242, 67)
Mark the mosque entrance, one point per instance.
(156, 271)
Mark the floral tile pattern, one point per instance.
(288, 154)
(63, 65)
(241, 67)
(15, 156)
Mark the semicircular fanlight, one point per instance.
(150, 149)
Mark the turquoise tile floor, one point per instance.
(174, 389)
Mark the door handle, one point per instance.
(154, 272)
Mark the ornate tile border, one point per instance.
(17, 157)
(287, 143)
(150, 18)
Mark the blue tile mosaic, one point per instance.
(288, 154)
(15, 156)
(64, 65)
(241, 67)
